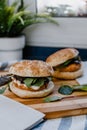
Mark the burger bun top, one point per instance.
(31, 68)
(61, 56)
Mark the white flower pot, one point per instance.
(11, 48)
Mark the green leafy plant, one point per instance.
(15, 18)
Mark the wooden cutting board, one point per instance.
(75, 104)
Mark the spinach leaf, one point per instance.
(28, 81)
(65, 89)
(39, 82)
(68, 62)
(34, 81)
(52, 99)
(2, 90)
(80, 87)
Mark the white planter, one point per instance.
(11, 48)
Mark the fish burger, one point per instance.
(31, 78)
(66, 63)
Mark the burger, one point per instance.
(31, 78)
(66, 63)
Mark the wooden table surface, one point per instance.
(75, 104)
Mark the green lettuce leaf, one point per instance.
(39, 82)
(28, 81)
(34, 82)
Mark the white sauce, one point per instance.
(35, 87)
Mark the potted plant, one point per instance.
(13, 20)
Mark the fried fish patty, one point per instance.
(71, 68)
(24, 87)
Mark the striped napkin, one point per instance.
(67, 123)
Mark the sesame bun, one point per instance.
(61, 56)
(31, 94)
(31, 68)
(68, 75)
(68, 71)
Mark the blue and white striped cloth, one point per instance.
(66, 123)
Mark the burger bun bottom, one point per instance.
(31, 94)
(68, 75)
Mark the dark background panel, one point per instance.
(41, 53)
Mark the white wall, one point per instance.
(70, 32)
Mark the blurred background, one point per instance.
(63, 7)
(45, 38)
